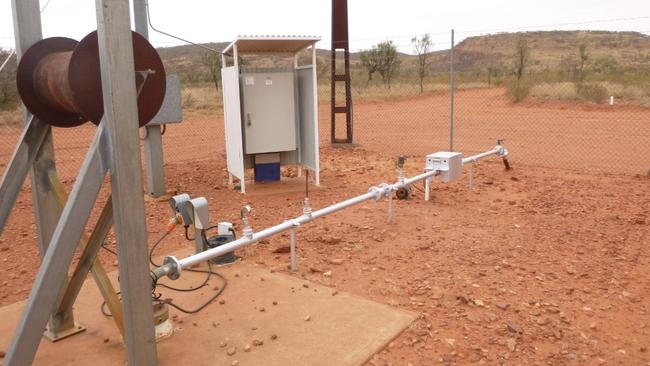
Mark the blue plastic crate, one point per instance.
(267, 172)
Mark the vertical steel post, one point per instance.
(153, 148)
(27, 31)
(120, 119)
(294, 262)
(53, 273)
(452, 89)
(340, 41)
(427, 189)
(314, 76)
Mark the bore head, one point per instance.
(25, 82)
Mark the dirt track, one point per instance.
(534, 266)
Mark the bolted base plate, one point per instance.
(65, 333)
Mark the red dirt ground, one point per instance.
(534, 266)
(586, 137)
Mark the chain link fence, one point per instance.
(569, 100)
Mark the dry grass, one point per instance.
(376, 91)
(633, 94)
(202, 98)
(11, 119)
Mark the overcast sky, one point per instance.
(371, 21)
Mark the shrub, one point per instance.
(8, 93)
(592, 92)
(518, 90)
(188, 99)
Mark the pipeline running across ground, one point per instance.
(173, 266)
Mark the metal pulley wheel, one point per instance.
(59, 80)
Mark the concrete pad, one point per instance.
(342, 329)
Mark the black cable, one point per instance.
(209, 272)
(153, 247)
(418, 188)
(108, 250)
(173, 36)
(186, 235)
(156, 296)
(194, 311)
(106, 313)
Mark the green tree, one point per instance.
(381, 58)
(389, 61)
(422, 47)
(212, 61)
(370, 61)
(522, 57)
(8, 93)
(582, 64)
(519, 89)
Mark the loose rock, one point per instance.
(514, 327)
(283, 249)
(450, 341)
(231, 351)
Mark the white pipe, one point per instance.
(174, 266)
(472, 159)
(375, 193)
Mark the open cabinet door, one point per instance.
(232, 123)
(309, 120)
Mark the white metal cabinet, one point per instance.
(269, 112)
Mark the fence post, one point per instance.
(452, 81)
(153, 146)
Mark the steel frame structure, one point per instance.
(61, 230)
(340, 42)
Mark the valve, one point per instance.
(306, 208)
(503, 153)
(245, 213)
(173, 222)
(400, 167)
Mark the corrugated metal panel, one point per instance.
(270, 44)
